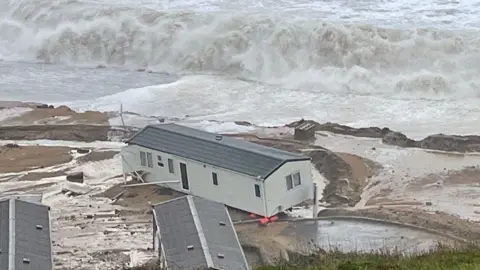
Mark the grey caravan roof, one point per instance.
(27, 239)
(206, 227)
(229, 153)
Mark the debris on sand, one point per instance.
(75, 189)
(76, 177)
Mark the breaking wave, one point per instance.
(266, 48)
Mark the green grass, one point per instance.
(442, 258)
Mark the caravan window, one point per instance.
(171, 168)
(143, 158)
(149, 160)
(257, 191)
(289, 180)
(159, 161)
(215, 178)
(297, 181)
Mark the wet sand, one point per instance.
(25, 158)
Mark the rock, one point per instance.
(243, 123)
(64, 109)
(398, 139)
(76, 177)
(370, 132)
(12, 145)
(440, 142)
(428, 203)
(82, 151)
(451, 143)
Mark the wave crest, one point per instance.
(254, 46)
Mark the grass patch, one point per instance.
(441, 258)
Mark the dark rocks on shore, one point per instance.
(76, 177)
(82, 151)
(451, 143)
(440, 142)
(12, 145)
(243, 123)
(45, 106)
(370, 132)
(398, 139)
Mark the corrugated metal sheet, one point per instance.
(4, 233)
(177, 224)
(229, 153)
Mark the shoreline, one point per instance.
(39, 114)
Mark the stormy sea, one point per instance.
(410, 65)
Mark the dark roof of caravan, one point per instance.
(229, 153)
(31, 231)
(206, 226)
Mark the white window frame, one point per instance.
(295, 184)
(289, 181)
(171, 166)
(149, 160)
(143, 158)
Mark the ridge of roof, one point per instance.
(229, 138)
